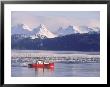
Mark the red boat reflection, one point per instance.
(41, 64)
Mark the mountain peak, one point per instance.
(42, 32)
(42, 28)
(70, 26)
(23, 26)
(20, 29)
(42, 25)
(67, 31)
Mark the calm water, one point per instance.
(60, 70)
(55, 52)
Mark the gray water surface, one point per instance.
(60, 70)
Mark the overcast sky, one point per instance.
(55, 19)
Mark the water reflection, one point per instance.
(67, 67)
(44, 71)
(59, 70)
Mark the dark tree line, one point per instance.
(74, 42)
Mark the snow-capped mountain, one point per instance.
(69, 30)
(23, 38)
(42, 32)
(39, 32)
(77, 29)
(96, 29)
(86, 29)
(20, 29)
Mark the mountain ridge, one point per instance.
(73, 42)
(42, 32)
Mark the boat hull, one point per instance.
(50, 65)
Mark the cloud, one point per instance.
(94, 23)
(24, 19)
(54, 20)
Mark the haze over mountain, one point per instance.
(42, 32)
(78, 38)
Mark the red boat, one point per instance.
(41, 64)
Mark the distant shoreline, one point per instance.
(56, 52)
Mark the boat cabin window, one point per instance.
(39, 62)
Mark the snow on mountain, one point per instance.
(20, 29)
(77, 29)
(86, 29)
(69, 30)
(26, 27)
(39, 32)
(42, 32)
(96, 29)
